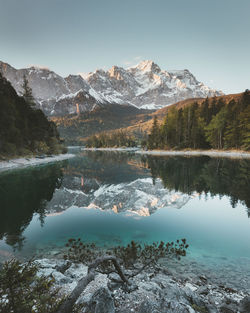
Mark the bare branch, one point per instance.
(140, 269)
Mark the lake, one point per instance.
(111, 198)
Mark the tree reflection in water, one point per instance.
(23, 193)
(214, 176)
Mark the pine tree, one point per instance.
(216, 128)
(154, 136)
(27, 93)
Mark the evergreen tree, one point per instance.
(27, 92)
(24, 131)
(215, 130)
(244, 123)
(154, 136)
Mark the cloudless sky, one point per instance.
(211, 38)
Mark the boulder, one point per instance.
(101, 302)
(244, 306)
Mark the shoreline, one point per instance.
(212, 153)
(196, 293)
(26, 162)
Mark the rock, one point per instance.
(203, 290)
(76, 271)
(244, 306)
(228, 306)
(101, 302)
(176, 307)
(61, 279)
(173, 292)
(63, 267)
(100, 281)
(226, 309)
(194, 298)
(148, 306)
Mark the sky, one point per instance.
(211, 38)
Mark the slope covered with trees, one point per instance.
(114, 139)
(211, 124)
(24, 130)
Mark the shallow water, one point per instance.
(112, 198)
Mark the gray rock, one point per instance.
(244, 306)
(176, 307)
(194, 298)
(76, 271)
(226, 309)
(148, 306)
(100, 281)
(203, 290)
(63, 267)
(101, 302)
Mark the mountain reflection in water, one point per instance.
(126, 183)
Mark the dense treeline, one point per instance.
(115, 139)
(212, 124)
(24, 130)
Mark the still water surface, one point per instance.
(112, 198)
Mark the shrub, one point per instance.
(127, 255)
(21, 290)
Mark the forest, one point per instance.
(212, 124)
(24, 129)
(114, 139)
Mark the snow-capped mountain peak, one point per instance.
(145, 85)
(147, 66)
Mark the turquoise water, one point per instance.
(113, 198)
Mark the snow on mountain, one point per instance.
(54, 94)
(147, 86)
(137, 198)
(144, 86)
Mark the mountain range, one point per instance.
(144, 86)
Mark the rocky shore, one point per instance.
(155, 290)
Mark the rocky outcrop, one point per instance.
(155, 291)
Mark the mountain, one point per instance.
(147, 86)
(75, 128)
(54, 94)
(143, 86)
(129, 119)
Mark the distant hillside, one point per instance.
(23, 129)
(218, 123)
(141, 127)
(107, 118)
(126, 118)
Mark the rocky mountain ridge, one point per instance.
(144, 86)
(147, 86)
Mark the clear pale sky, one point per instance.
(211, 38)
